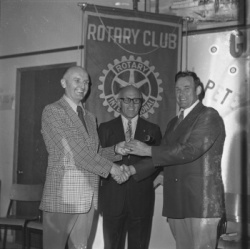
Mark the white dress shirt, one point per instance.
(133, 124)
(73, 105)
(189, 109)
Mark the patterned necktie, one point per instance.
(180, 118)
(128, 134)
(80, 115)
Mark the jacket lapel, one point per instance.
(141, 131)
(190, 117)
(119, 131)
(74, 117)
(184, 126)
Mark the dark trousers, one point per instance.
(116, 228)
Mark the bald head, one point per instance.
(75, 81)
(74, 69)
(130, 89)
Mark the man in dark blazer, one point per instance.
(75, 163)
(190, 152)
(128, 208)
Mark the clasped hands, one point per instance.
(135, 147)
(120, 173)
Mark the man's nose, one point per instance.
(181, 93)
(83, 84)
(131, 103)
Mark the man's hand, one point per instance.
(129, 169)
(136, 147)
(121, 149)
(120, 173)
(158, 180)
(132, 169)
(126, 170)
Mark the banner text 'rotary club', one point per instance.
(131, 36)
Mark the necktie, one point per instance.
(80, 115)
(180, 118)
(128, 133)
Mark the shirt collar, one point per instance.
(72, 104)
(133, 123)
(189, 109)
(133, 120)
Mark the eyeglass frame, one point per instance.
(124, 100)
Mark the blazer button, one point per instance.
(176, 180)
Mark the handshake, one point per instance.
(121, 173)
(135, 147)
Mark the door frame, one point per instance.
(19, 72)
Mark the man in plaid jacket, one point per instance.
(75, 163)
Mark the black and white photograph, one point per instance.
(124, 124)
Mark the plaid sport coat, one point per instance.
(75, 160)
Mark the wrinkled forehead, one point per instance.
(185, 81)
(129, 92)
(76, 72)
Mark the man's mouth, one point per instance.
(79, 91)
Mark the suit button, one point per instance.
(176, 180)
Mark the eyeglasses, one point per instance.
(128, 100)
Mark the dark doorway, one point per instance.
(36, 87)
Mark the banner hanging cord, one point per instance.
(187, 19)
(186, 44)
(83, 7)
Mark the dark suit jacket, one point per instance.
(191, 156)
(138, 192)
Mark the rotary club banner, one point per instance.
(129, 47)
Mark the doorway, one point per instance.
(36, 87)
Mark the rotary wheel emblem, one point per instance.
(131, 72)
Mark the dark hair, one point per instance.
(197, 81)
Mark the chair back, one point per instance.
(25, 192)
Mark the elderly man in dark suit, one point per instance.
(190, 152)
(75, 163)
(128, 208)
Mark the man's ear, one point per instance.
(63, 83)
(198, 90)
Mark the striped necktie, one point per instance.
(180, 118)
(128, 133)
